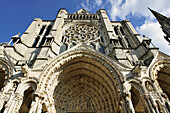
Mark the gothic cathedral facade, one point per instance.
(83, 63)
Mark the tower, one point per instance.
(164, 22)
(83, 63)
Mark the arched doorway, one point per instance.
(161, 74)
(163, 79)
(82, 81)
(27, 100)
(136, 100)
(87, 86)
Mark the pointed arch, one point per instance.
(140, 104)
(82, 76)
(78, 82)
(159, 71)
(6, 71)
(121, 41)
(27, 100)
(26, 89)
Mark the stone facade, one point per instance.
(83, 63)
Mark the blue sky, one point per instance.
(16, 15)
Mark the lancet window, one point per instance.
(122, 37)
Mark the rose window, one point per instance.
(81, 33)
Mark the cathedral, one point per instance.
(83, 63)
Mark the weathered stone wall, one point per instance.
(83, 62)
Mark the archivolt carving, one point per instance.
(6, 72)
(160, 73)
(78, 81)
(26, 84)
(138, 85)
(157, 67)
(85, 76)
(76, 53)
(6, 67)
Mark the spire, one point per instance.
(164, 22)
(158, 16)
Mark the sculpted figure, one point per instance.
(148, 86)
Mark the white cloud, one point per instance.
(98, 2)
(89, 5)
(86, 5)
(122, 8)
(137, 8)
(152, 30)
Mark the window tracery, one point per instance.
(83, 33)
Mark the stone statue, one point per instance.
(148, 86)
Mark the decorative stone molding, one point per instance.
(149, 86)
(81, 33)
(6, 67)
(80, 54)
(25, 70)
(154, 71)
(83, 62)
(137, 70)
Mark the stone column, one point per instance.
(14, 103)
(36, 106)
(151, 104)
(1, 101)
(126, 103)
(1, 104)
(129, 105)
